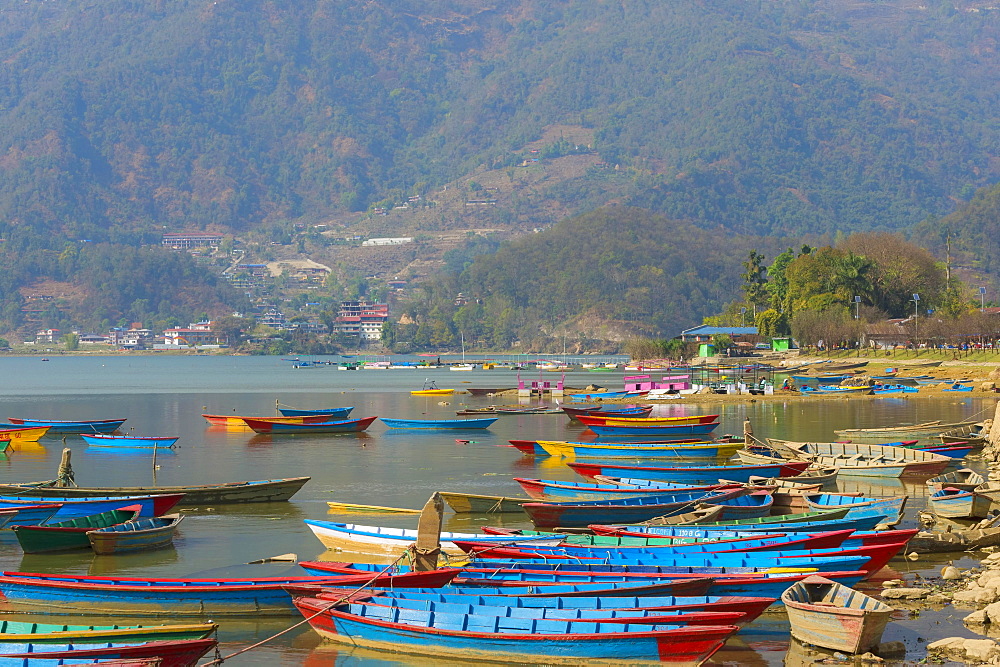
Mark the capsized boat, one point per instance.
(834, 616)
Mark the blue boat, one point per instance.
(28, 515)
(332, 413)
(131, 441)
(751, 606)
(602, 395)
(557, 491)
(959, 387)
(889, 508)
(655, 430)
(954, 503)
(70, 508)
(749, 506)
(58, 426)
(472, 636)
(695, 474)
(700, 530)
(456, 424)
(894, 389)
(631, 510)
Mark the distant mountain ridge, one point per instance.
(775, 118)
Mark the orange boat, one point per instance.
(23, 434)
(235, 421)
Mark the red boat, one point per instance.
(338, 426)
(180, 653)
(632, 420)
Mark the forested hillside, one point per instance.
(121, 120)
(765, 117)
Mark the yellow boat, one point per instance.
(23, 434)
(432, 392)
(579, 450)
(354, 507)
(236, 421)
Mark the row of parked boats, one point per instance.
(660, 553)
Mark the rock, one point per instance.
(905, 593)
(992, 612)
(939, 598)
(891, 650)
(968, 595)
(869, 657)
(913, 555)
(977, 618)
(892, 583)
(950, 573)
(988, 386)
(981, 650)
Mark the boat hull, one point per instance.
(97, 426)
(332, 413)
(692, 475)
(23, 434)
(260, 491)
(137, 535)
(455, 424)
(281, 428)
(100, 440)
(652, 431)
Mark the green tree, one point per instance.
(754, 279)
(771, 323)
(72, 341)
(777, 281)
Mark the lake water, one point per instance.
(167, 395)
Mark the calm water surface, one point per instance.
(166, 396)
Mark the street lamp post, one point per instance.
(857, 307)
(743, 315)
(916, 303)
(982, 299)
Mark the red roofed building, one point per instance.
(361, 319)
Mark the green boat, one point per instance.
(800, 517)
(50, 633)
(70, 534)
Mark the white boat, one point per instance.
(864, 460)
(393, 541)
(462, 367)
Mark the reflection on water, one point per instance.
(399, 468)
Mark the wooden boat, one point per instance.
(597, 395)
(958, 387)
(440, 423)
(751, 607)
(963, 479)
(70, 534)
(57, 633)
(59, 426)
(691, 475)
(272, 427)
(28, 514)
(501, 410)
(952, 451)
(145, 442)
(629, 510)
(259, 491)
(764, 525)
(617, 410)
(71, 508)
(182, 597)
(866, 460)
(368, 509)
(330, 413)
(953, 503)
(892, 433)
(552, 490)
(749, 506)
(813, 475)
(654, 430)
(238, 421)
(137, 535)
(391, 541)
(472, 503)
(23, 434)
(598, 450)
(167, 653)
(622, 420)
(474, 636)
(890, 508)
(831, 615)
